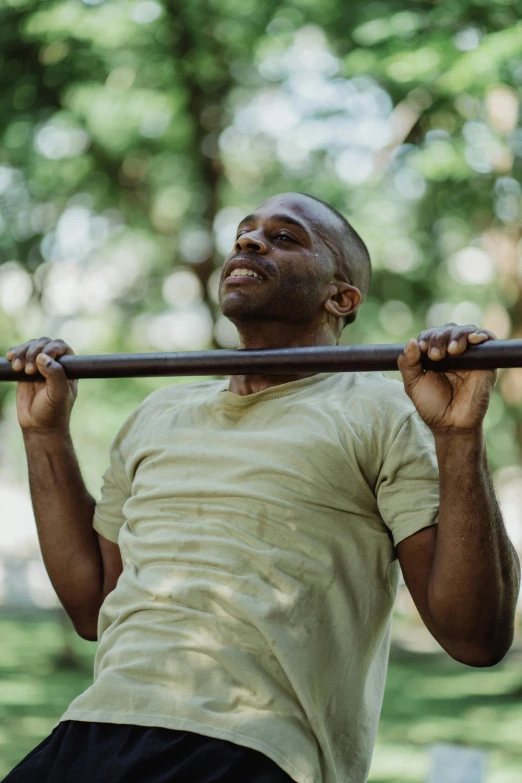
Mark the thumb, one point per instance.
(54, 374)
(409, 363)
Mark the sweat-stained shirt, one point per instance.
(258, 540)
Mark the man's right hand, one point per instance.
(43, 406)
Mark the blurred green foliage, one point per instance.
(134, 134)
(429, 698)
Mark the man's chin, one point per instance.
(236, 307)
(236, 314)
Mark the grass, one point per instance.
(429, 698)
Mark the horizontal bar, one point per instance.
(280, 361)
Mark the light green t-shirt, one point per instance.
(257, 535)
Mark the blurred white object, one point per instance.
(17, 528)
(23, 578)
(456, 764)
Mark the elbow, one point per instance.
(89, 635)
(479, 661)
(86, 627)
(86, 630)
(84, 619)
(482, 656)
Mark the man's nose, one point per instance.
(250, 242)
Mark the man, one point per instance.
(240, 569)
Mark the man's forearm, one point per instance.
(63, 511)
(475, 574)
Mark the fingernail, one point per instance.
(453, 345)
(17, 364)
(29, 367)
(43, 359)
(435, 352)
(423, 343)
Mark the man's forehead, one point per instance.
(298, 205)
(315, 218)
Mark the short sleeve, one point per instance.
(116, 490)
(408, 483)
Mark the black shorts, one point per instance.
(81, 752)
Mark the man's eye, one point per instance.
(285, 237)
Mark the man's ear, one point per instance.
(343, 301)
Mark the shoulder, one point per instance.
(373, 412)
(373, 395)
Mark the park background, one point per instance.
(133, 137)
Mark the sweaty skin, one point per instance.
(302, 298)
(463, 574)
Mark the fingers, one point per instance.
(451, 339)
(481, 336)
(410, 365)
(24, 357)
(58, 385)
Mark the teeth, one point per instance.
(244, 273)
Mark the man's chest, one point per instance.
(285, 458)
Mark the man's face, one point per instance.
(288, 249)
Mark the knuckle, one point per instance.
(455, 336)
(55, 350)
(33, 352)
(58, 343)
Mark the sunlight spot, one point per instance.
(16, 288)
(146, 12)
(472, 265)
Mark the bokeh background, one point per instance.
(134, 135)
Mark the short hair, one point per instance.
(355, 264)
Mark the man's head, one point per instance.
(312, 267)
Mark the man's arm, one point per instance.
(83, 567)
(464, 573)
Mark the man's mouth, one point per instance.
(244, 271)
(243, 275)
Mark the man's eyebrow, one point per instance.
(248, 219)
(279, 218)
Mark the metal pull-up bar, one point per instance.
(281, 361)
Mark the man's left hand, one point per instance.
(456, 400)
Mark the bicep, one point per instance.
(112, 564)
(415, 555)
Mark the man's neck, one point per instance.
(275, 335)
